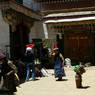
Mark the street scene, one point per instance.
(47, 47)
(48, 85)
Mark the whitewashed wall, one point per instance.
(4, 33)
(37, 31)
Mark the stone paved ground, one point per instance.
(48, 85)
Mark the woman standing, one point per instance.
(58, 64)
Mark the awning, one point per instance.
(70, 14)
(71, 19)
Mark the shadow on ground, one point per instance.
(5, 92)
(62, 80)
(84, 87)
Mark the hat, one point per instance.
(55, 47)
(28, 49)
(30, 45)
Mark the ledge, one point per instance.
(19, 8)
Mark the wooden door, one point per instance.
(79, 46)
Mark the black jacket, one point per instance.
(29, 57)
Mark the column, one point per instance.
(45, 30)
(11, 42)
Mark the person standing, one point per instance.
(44, 56)
(30, 65)
(58, 60)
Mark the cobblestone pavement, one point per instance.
(49, 85)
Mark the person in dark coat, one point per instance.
(44, 56)
(20, 68)
(30, 65)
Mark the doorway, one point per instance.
(18, 40)
(79, 46)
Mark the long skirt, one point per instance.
(58, 69)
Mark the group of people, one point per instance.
(58, 61)
(59, 72)
(8, 71)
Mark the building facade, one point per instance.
(69, 22)
(72, 22)
(20, 23)
(4, 34)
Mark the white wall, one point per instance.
(37, 31)
(4, 33)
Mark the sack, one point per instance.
(44, 72)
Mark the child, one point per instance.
(79, 69)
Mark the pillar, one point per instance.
(11, 42)
(45, 30)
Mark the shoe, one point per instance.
(80, 87)
(59, 79)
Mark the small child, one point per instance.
(79, 69)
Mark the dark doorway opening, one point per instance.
(18, 39)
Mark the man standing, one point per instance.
(30, 65)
